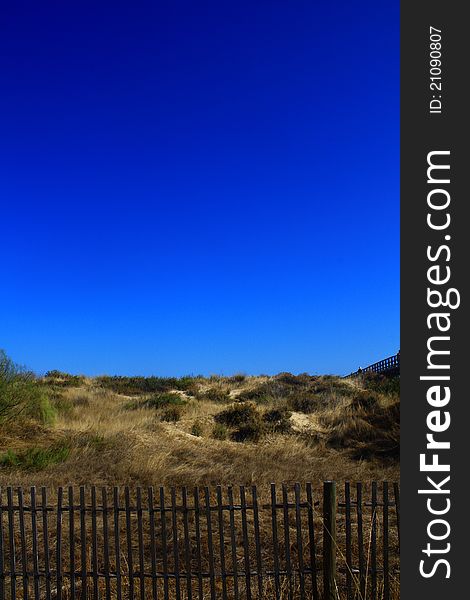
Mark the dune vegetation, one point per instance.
(65, 429)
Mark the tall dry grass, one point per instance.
(116, 439)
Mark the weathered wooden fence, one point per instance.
(388, 366)
(205, 543)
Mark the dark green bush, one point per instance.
(215, 394)
(172, 414)
(35, 459)
(197, 429)
(21, 395)
(273, 389)
(61, 379)
(305, 402)
(249, 432)
(278, 420)
(365, 399)
(328, 386)
(219, 432)
(382, 384)
(237, 378)
(243, 416)
(146, 385)
(295, 380)
(163, 400)
(239, 413)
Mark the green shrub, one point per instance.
(273, 389)
(41, 409)
(382, 384)
(35, 459)
(65, 404)
(60, 403)
(304, 402)
(243, 416)
(328, 385)
(365, 399)
(163, 400)
(172, 414)
(215, 394)
(10, 459)
(62, 379)
(219, 432)
(21, 395)
(197, 429)
(239, 413)
(278, 420)
(249, 432)
(146, 385)
(99, 442)
(187, 384)
(294, 380)
(237, 378)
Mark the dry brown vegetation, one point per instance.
(218, 430)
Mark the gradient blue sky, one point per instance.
(199, 187)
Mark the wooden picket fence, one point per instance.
(205, 543)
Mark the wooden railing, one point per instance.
(387, 366)
(292, 542)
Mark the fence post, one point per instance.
(329, 540)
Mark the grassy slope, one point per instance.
(338, 431)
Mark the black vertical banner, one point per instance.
(435, 258)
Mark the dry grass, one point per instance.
(116, 439)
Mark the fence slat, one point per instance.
(285, 504)
(246, 548)
(360, 541)
(130, 558)
(153, 556)
(259, 560)
(311, 537)
(197, 526)
(221, 541)
(386, 583)
(210, 544)
(117, 543)
(83, 544)
(187, 547)
(24, 554)
(298, 527)
(140, 540)
(233, 543)
(329, 540)
(11, 530)
(347, 500)
(396, 494)
(71, 541)
(104, 518)
(277, 584)
(59, 575)
(174, 527)
(35, 548)
(164, 544)
(45, 533)
(373, 549)
(94, 544)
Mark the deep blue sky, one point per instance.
(199, 187)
